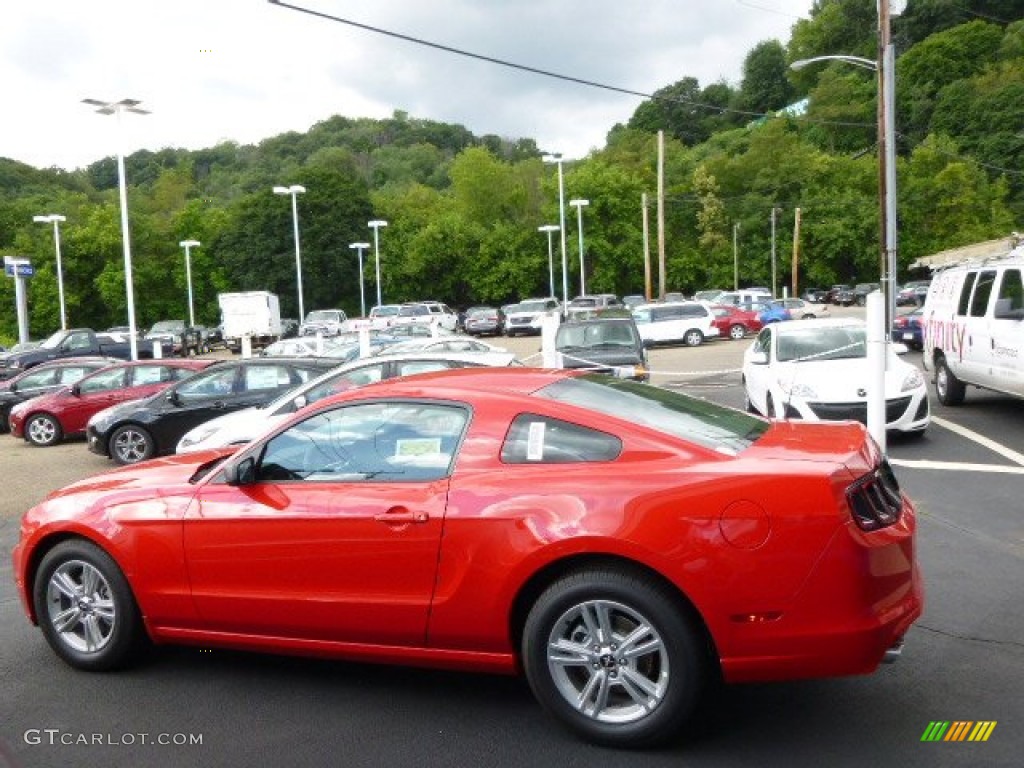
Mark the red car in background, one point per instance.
(48, 419)
(734, 322)
(453, 519)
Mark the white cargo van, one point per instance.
(973, 321)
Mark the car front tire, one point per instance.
(949, 389)
(85, 607)
(131, 444)
(43, 430)
(612, 655)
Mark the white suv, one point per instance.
(427, 313)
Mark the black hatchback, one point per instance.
(141, 429)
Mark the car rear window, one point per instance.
(712, 426)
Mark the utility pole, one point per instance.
(661, 215)
(735, 258)
(774, 290)
(796, 248)
(647, 249)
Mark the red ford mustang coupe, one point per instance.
(622, 545)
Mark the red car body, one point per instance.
(733, 322)
(764, 551)
(71, 407)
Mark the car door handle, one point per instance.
(400, 518)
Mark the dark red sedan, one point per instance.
(734, 322)
(48, 419)
(621, 544)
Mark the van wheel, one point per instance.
(693, 338)
(948, 387)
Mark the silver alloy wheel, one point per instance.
(608, 661)
(693, 338)
(131, 446)
(737, 331)
(41, 430)
(80, 606)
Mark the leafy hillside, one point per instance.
(463, 210)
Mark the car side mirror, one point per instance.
(172, 398)
(241, 473)
(759, 358)
(76, 389)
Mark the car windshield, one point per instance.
(713, 426)
(54, 341)
(413, 311)
(813, 344)
(168, 325)
(323, 316)
(590, 335)
(530, 306)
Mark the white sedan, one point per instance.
(800, 309)
(240, 427)
(816, 370)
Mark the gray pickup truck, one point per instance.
(76, 342)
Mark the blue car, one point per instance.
(771, 313)
(907, 329)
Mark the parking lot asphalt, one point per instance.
(964, 659)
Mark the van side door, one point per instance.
(977, 338)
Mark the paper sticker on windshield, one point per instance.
(417, 446)
(535, 441)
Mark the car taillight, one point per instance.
(875, 499)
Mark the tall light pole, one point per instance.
(557, 159)
(579, 204)
(188, 245)
(359, 247)
(56, 219)
(116, 108)
(880, 329)
(294, 190)
(735, 257)
(375, 225)
(550, 229)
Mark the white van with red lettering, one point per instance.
(973, 321)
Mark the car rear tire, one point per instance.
(131, 444)
(737, 331)
(948, 388)
(693, 338)
(612, 655)
(85, 607)
(42, 430)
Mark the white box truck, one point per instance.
(256, 314)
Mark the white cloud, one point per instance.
(246, 70)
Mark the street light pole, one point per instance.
(550, 229)
(362, 295)
(735, 257)
(294, 190)
(55, 219)
(116, 108)
(557, 159)
(375, 225)
(579, 204)
(188, 245)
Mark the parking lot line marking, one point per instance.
(956, 466)
(992, 445)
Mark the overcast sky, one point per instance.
(245, 70)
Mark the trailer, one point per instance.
(252, 314)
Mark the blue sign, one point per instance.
(21, 270)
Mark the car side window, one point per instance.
(379, 442)
(103, 381)
(534, 439)
(38, 379)
(982, 292)
(965, 293)
(763, 343)
(210, 384)
(1011, 292)
(72, 374)
(78, 341)
(422, 366)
